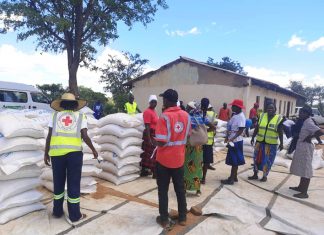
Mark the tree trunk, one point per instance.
(73, 83)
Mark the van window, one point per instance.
(13, 96)
(39, 98)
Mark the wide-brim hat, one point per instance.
(56, 104)
(238, 103)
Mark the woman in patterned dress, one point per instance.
(194, 154)
(302, 160)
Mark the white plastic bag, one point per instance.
(24, 172)
(120, 162)
(17, 126)
(120, 119)
(121, 143)
(125, 170)
(11, 188)
(19, 144)
(17, 212)
(119, 131)
(118, 180)
(12, 162)
(26, 198)
(122, 153)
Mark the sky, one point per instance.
(273, 40)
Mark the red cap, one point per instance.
(238, 103)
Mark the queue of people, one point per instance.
(178, 145)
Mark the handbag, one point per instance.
(198, 135)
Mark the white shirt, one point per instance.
(234, 124)
(84, 123)
(288, 123)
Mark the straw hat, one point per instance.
(67, 97)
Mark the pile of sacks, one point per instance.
(20, 150)
(120, 139)
(89, 168)
(221, 129)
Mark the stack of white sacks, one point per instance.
(221, 129)
(120, 139)
(89, 168)
(284, 159)
(20, 150)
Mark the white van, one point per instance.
(21, 96)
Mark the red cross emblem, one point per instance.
(67, 121)
(178, 127)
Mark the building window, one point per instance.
(284, 109)
(280, 102)
(292, 107)
(257, 99)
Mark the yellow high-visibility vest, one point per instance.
(268, 132)
(131, 109)
(211, 134)
(66, 133)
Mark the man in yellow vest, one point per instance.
(208, 153)
(131, 106)
(64, 149)
(267, 131)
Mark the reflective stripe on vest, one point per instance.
(131, 108)
(268, 132)
(66, 139)
(168, 137)
(211, 134)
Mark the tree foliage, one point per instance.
(119, 71)
(52, 91)
(74, 26)
(91, 96)
(228, 64)
(314, 95)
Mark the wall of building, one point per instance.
(194, 82)
(187, 93)
(262, 93)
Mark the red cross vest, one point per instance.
(66, 133)
(173, 128)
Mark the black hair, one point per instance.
(204, 106)
(307, 109)
(273, 104)
(69, 104)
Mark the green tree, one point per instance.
(74, 26)
(228, 64)
(52, 91)
(119, 71)
(298, 87)
(91, 96)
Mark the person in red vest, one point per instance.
(224, 113)
(171, 134)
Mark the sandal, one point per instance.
(83, 216)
